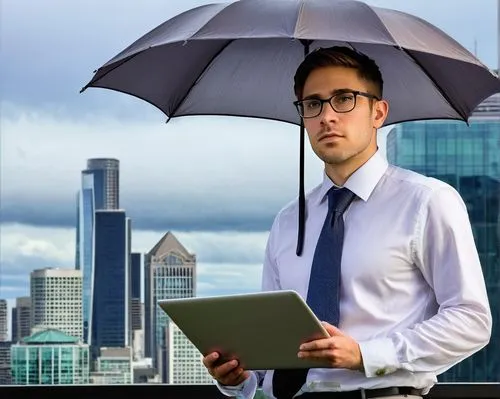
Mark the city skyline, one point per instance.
(173, 178)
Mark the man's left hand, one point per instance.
(339, 350)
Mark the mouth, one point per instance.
(330, 136)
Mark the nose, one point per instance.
(328, 114)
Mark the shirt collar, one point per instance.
(363, 181)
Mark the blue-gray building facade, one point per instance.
(99, 190)
(111, 288)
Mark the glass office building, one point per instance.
(111, 281)
(50, 357)
(99, 190)
(85, 248)
(468, 158)
(106, 174)
(169, 272)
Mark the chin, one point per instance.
(337, 157)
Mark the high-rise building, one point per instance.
(99, 190)
(136, 312)
(106, 173)
(183, 360)
(135, 282)
(468, 158)
(13, 324)
(5, 374)
(3, 320)
(50, 357)
(111, 281)
(56, 298)
(169, 272)
(21, 319)
(85, 247)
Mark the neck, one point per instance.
(340, 172)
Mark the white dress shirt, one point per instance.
(412, 290)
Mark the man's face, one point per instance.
(338, 138)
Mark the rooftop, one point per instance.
(50, 336)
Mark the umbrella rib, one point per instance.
(172, 114)
(95, 79)
(435, 83)
(381, 21)
(299, 17)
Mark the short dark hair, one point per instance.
(366, 68)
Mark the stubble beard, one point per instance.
(338, 158)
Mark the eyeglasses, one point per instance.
(342, 102)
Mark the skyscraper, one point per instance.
(110, 325)
(135, 300)
(56, 296)
(169, 272)
(99, 190)
(3, 320)
(106, 172)
(85, 247)
(21, 319)
(468, 158)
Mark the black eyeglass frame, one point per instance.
(356, 93)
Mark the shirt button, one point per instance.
(380, 372)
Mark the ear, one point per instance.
(381, 110)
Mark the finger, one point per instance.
(332, 330)
(323, 354)
(210, 359)
(317, 344)
(235, 377)
(225, 370)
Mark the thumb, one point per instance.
(332, 330)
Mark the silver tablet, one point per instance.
(262, 330)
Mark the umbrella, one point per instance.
(239, 59)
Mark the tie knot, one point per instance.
(339, 199)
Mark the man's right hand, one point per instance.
(228, 373)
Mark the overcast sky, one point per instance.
(215, 182)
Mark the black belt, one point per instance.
(362, 394)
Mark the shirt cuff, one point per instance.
(244, 390)
(379, 357)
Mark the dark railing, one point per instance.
(152, 391)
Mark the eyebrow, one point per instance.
(316, 96)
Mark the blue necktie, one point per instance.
(324, 283)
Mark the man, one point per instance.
(409, 300)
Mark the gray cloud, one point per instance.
(50, 49)
(226, 249)
(15, 275)
(184, 214)
(230, 175)
(214, 279)
(227, 262)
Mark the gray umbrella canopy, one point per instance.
(239, 59)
